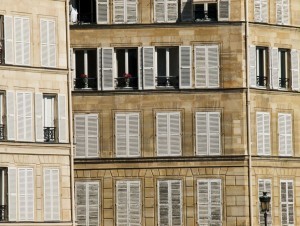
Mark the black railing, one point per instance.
(2, 137)
(49, 134)
(86, 83)
(167, 81)
(261, 81)
(122, 82)
(3, 213)
(283, 83)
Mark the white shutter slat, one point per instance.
(295, 69)
(200, 67)
(80, 131)
(62, 119)
(203, 202)
(39, 127)
(81, 202)
(99, 68)
(172, 10)
(285, 11)
(28, 116)
(213, 66)
(47, 195)
(263, 133)
(163, 203)
(257, 10)
(185, 67)
(148, 68)
(133, 135)
(281, 134)
(52, 43)
(131, 13)
(18, 30)
(44, 42)
(201, 133)
(140, 68)
(285, 134)
(176, 202)
(186, 10)
(20, 117)
(107, 69)
(102, 11)
(287, 202)
(119, 11)
(274, 57)
(55, 195)
(135, 203)
(279, 12)
(267, 134)
(214, 133)
(10, 100)
(93, 203)
(216, 202)
(174, 134)
(289, 134)
(159, 11)
(120, 131)
(26, 41)
(92, 135)
(224, 10)
(9, 39)
(122, 203)
(162, 134)
(264, 11)
(252, 65)
(12, 194)
(24, 116)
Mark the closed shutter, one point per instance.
(264, 11)
(134, 205)
(176, 203)
(131, 11)
(148, 68)
(163, 203)
(44, 43)
(213, 66)
(215, 202)
(102, 11)
(200, 67)
(140, 68)
(62, 119)
(201, 133)
(203, 202)
(274, 67)
(261, 11)
(107, 69)
(285, 11)
(12, 194)
(295, 69)
(122, 203)
(52, 43)
(264, 185)
(252, 65)
(279, 11)
(214, 133)
(39, 127)
(26, 41)
(99, 68)
(285, 134)
(172, 10)
(186, 10)
(22, 40)
(93, 203)
(162, 146)
(9, 40)
(287, 202)
(257, 10)
(133, 135)
(174, 133)
(263, 133)
(10, 102)
(159, 10)
(81, 203)
(80, 131)
(24, 116)
(120, 135)
(51, 195)
(185, 67)
(119, 11)
(224, 10)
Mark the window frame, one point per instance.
(262, 66)
(284, 69)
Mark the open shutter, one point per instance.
(44, 43)
(122, 203)
(131, 13)
(107, 69)
(185, 67)
(119, 11)
(102, 11)
(133, 135)
(148, 68)
(162, 147)
(92, 135)
(174, 133)
(295, 69)
(200, 67)
(159, 10)
(215, 202)
(214, 133)
(201, 133)
(9, 39)
(80, 136)
(203, 202)
(285, 11)
(252, 65)
(224, 10)
(120, 135)
(12, 194)
(186, 10)
(140, 68)
(10, 102)
(62, 119)
(213, 66)
(163, 203)
(99, 68)
(135, 203)
(39, 127)
(93, 203)
(172, 10)
(176, 202)
(274, 67)
(81, 202)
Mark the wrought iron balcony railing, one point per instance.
(261, 81)
(86, 83)
(49, 134)
(3, 213)
(122, 82)
(167, 81)
(283, 83)
(2, 137)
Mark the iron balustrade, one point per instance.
(167, 81)
(122, 82)
(49, 134)
(3, 213)
(284, 83)
(261, 81)
(86, 83)
(2, 137)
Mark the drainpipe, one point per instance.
(248, 111)
(70, 84)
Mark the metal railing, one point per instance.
(122, 82)
(283, 83)
(3, 213)
(49, 134)
(167, 81)
(261, 81)
(86, 83)
(2, 132)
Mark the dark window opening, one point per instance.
(85, 11)
(283, 68)
(86, 69)
(127, 68)
(206, 12)
(261, 66)
(3, 195)
(2, 39)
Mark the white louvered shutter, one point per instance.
(9, 39)
(200, 67)
(107, 69)
(264, 11)
(39, 127)
(159, 10)
(26, 41)
(274, 63)
(10, 102)
(263, 133)
(295, 69)
(102, 11)
(163, 203)
(12, 194)
(174, 138)
(140, 68)
(264, 185)
(215, 202)
(81, 203)
(22, 40)
(285, 134)
(62, 119)
(44, 43)
(93, 203)
(186, 10)
(148, 68)
(51, 195)
(252, 65)
(201, 133)
(279, 12)
(52, 43)
(185, 67)
(176, 205)
(213, 66)
(122, 203)
(119, 11)
(26, 194)
(285, 11)
(80, 134)
(287, 202)
(131, 11)
(99, 68)
(257, 10)
(261, 11)
(120, 135)
(162, 146)
(133, 135)
(92, 135)
(214, 133)
(134, 205)
(203, 202)
(224, 10)
(172, 10)
(24, 116)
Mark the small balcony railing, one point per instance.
(2, 137)
(86, 83)
(49, 134)
(167, 81)
(3, 213)
(283, 83)
(123, 83)
(261, 81)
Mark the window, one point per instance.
(282, 11)
(168, 134)
(51, 195)
(261, 11)
(127, 138)
(208, 133)
(3, 195)
(48, 43)
(2, 116)
(49, 118)
(283, 68)
(17, 40)
(264, 185)
(86, 135)
(86, 69)
(287, 202)
(128, 203)
(205, 11)
(263, 133)
(21, 194)
(207, 66)
(285, 134)
(87, 203)
(169, 202)
(125, 11)
(165, 11)
(209, 202)
(258, 66)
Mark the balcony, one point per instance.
(126, 83)
(167, 81)
(3, 213)
(261, 81)
(49, 134)
(86, 83)
(2, 137)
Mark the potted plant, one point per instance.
(127, 77)
(84, 77)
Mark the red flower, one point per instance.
(127, 75)
(83, 76)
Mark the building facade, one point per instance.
(35, 150)
(185, 111)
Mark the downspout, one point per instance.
(70, 84)
(248, 112)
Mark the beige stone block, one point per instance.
(149, 182)
(108, 222)
(230, 200)
(190, 212)
(107, 183)
(149, 221)
(66, 204)
(241, 180)
(190, 221)
(235, 190)
(108, 213)
(236, 211)
(94, 173)
(149, 202)
(189, 191)
(231, 221)
(230, 180)
(242, 201)
(149, 212)
(108, 203)
(189, 181)
(189, 201)
(107, 194)
(242, 221)
(149, 192)
(66, 215)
